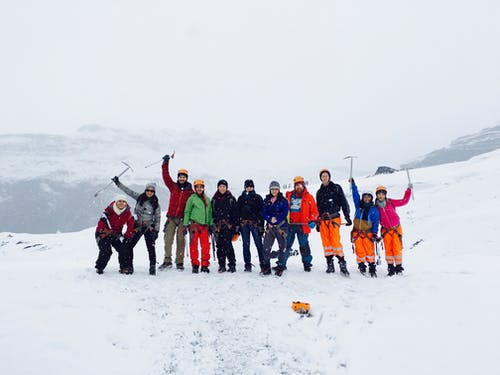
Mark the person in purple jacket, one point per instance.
(274, 212)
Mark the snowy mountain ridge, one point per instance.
(461, 149)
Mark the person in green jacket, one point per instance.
(199, 221)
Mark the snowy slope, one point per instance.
(441, 317)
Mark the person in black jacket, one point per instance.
(226, 220)
(330, 199)
(251, 221)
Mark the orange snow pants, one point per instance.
(200, 233)
(393, 244)
(364, 247)
(330, 237)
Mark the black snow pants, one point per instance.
(123, 249)
(225, 246)
(150, 238)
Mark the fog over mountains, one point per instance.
(47, 182)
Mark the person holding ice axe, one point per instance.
(180, 191)
(391, 231)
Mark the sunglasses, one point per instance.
(150, 191)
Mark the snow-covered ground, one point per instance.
(58, 316)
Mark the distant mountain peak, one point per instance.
(461, 149)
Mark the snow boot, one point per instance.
(248, 267)
(372, 268)
(362, 268)
(100, 271)
(398, 270)
(165, 265)
(265, 270)
(279, 270)
(390, 270)
(330, 268)
(232, 268)
(307, 268)
(152, 269)
(180, 266)
(205, 269)
(277, 267)
(343, 267)
(222, 268)
(196, 268)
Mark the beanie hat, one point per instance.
(182, 171)
(249, 183)
(151, 186)
(274, 184)
(222, 182)
(121, 197)
(324, 170)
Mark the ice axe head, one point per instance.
(128, 166)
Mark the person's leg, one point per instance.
(181, 242)
(169, 230)
(104, 254)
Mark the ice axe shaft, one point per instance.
(108, 185)
(352, 162)
(409, 182)
(159, 161)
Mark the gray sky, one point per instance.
(386, 79)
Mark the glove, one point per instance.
(166, 158)
(317, 228)
(154, 234)
(211, 229)
(261, 230)
(348, 221)
(351, 180)
(311, 224)
(410, 186)
(236, 230)
(375, 238)
(185, 229)
(116, 180)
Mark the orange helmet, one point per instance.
(182, 171)
(381, 188)
(298, 180)
(199, 182)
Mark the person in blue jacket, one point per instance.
(365, 230)
(274, 212)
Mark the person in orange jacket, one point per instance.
(303, 216)
(391, 231)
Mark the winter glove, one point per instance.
(211, 229)
(236, 230)
(154, 235)
(311, 224)
(351, 180)
(166, 158)
(116, 180)
(348, 221)
(317, 228)
(185, 229)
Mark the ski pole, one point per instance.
(378, 254)
(159, 161)
(409, 183)
(108, 185)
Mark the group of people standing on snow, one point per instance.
(277, 217)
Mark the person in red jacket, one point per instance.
(109, 233)
(303, 216)
(180, 191)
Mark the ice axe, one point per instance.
(352, 161)
(409, 183)
(108, 185)
(159, 161)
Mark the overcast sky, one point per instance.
(388, 79)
